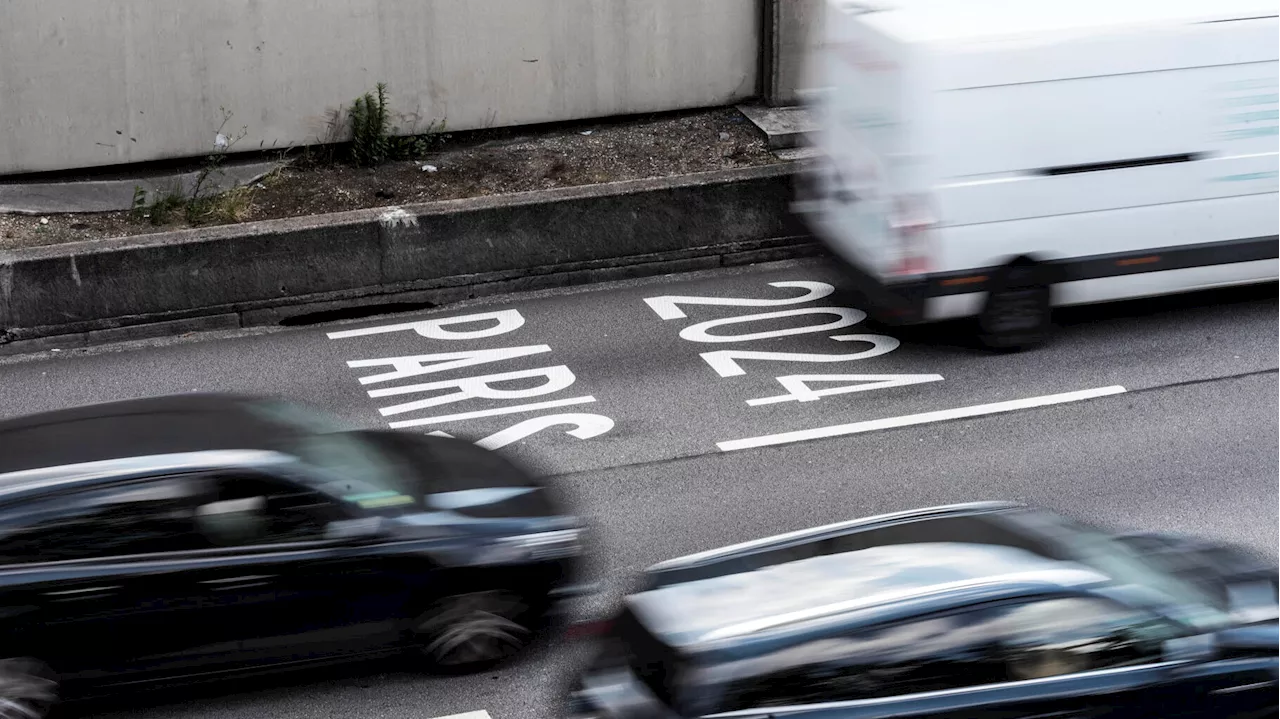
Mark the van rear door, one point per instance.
(864, 138)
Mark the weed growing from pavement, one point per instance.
(138, 208)
(371, 144)
(371, 141)
(162, 209)
(370, 128)
(200, 206)
(417, 146)
(213, 163)
(225, 207)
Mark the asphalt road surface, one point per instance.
(676, 426)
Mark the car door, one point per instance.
(281, 586)
(1077, 657)
(88, 580)
(1227, 684)
(1060, 657)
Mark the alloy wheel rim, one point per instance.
(25, 691)
(474, 628)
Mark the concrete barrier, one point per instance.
(88, 84)
(433, 252)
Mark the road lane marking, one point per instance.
(469, 715)
(531, 407)
(913, 419)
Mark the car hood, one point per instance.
(457, 478)
(1236, 579)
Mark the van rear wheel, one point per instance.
(1018, 312)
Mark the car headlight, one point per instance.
(537, 547)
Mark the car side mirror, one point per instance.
(1195, 648)
(1253, 601)
(353, 530)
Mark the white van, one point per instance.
(993, 159)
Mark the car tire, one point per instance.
(1018, 312)
(471, 632)
(28, 689)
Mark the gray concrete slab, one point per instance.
(45, 198)
(784, 127)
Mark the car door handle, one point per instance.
(83, 593)
(240, 582)
(1243, 687)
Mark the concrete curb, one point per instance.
(438, 252)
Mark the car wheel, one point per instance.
(1018, 312)
(470, 632)
(28, 689)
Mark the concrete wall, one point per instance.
(794, 31)
(100, 82)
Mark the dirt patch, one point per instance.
(465, 165)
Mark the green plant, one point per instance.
(416, 146)
(370, 128)
(371, 133)
(199, 205)
(161, 210)
(213, 162)
(230, 206)
(138, 208)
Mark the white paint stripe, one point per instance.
(533, 407)
(923, 418)
(469, 715)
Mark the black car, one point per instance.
(978, 610)
(209, 534)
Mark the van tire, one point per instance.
(1018, 312)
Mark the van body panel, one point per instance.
(1058, 131)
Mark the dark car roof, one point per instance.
(789, 593)
(166, 425)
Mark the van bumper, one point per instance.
(896, 303)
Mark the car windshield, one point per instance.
(1096, 549)
(361, 473)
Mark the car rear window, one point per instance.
(922, 655)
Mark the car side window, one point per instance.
(989, 644)
(248, 509)
(140, 517)
(936, 653)
(1069, 635)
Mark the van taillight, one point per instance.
(912, 226)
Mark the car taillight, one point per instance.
(912, 225)
(589, 629)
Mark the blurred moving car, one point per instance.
(976, 610)
(208, 534)
(996, 159)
